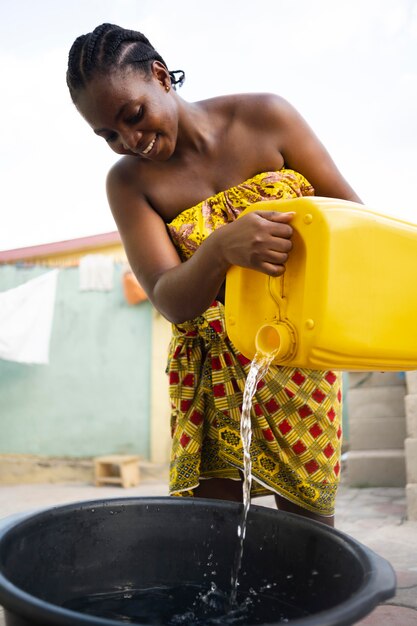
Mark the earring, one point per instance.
(167, 87)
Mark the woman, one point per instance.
(187, 171)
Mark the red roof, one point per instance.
(60, 247)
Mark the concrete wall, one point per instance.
(94, 396)
(411, 445)
(377, 429)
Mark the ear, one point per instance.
(161, 73)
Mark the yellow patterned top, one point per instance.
(189, 229)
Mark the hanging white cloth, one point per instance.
(26, 315)
(96, 272)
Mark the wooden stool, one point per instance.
(117, 470)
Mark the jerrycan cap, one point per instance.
(277, 339)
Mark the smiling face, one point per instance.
(134, 112)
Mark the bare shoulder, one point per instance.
(257, 109)
(123, 173)
(125, 179)
(125, 192)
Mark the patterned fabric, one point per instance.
(296, 413)
(189, 229)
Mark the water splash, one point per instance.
(186, 605)
(258, 369)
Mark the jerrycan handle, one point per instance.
(277, 339)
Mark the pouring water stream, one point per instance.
(258, 369)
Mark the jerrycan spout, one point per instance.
(276, 339)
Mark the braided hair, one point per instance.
(109, 46)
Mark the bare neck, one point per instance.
(197, 129)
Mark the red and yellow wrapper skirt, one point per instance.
(296, 419)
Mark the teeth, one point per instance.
(149, 148)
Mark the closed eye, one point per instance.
(110, 138)
(134, 119)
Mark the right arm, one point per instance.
(183, 290)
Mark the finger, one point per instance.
(281, 233)
(279, 258)
(276, 216)
(283, 245)
(275, 231)
(277, 223)
(274, 257)
(272, 269)
(271, 258)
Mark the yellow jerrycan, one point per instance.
(348, 297)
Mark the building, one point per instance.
(104, 390)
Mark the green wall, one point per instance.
(93, 397)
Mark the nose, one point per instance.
(130, 139)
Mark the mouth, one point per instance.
(149, 147)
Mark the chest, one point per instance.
(175, 186)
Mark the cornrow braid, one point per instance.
(110, 46)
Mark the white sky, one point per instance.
(349, 66)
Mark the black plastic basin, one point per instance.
(50, 559)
